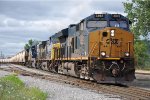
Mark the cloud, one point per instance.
(108, 5)
(26, 10)
(36, 10)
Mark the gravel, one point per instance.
(4, 73)
(61, 91)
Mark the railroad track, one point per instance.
(126, 92)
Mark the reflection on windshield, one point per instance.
(97, 24)
(122, 24)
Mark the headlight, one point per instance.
(127, 54)
(112, 32)
(103, 53)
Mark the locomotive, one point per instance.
(99, 47)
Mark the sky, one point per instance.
(21, 20)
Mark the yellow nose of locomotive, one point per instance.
(112, 43)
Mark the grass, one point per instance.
(12, 88)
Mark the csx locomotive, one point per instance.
(99, 47)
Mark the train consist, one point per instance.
(99, 47)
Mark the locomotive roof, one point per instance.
(42, 44)
(102, 16)
(105, 16)
(62, 33)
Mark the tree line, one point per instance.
(138, 11)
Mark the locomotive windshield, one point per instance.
(96, 24)
(122, 24)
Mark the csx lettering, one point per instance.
(113, 41)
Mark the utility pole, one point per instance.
(1, 55)
(1, 58)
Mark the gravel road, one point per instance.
(61, 91)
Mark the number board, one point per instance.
(99, 15)
(116, 15)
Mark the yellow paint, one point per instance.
(54, 52)
(109, 58)
(77, 58)
(98, 43)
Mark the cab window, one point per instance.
(122, 24)
(96, 24)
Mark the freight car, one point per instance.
(99, 47)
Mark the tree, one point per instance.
(138, 11)
(29, 44)
(26, 46)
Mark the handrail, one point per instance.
(93, 47)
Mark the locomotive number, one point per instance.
(113, 41)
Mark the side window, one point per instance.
(76, 42)
(72, 44)
(77, 27)
(50, 40)
(81, 26)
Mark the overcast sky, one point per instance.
(21, 20)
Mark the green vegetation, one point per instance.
(138, 11)
(12, 88)
(30, 43)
